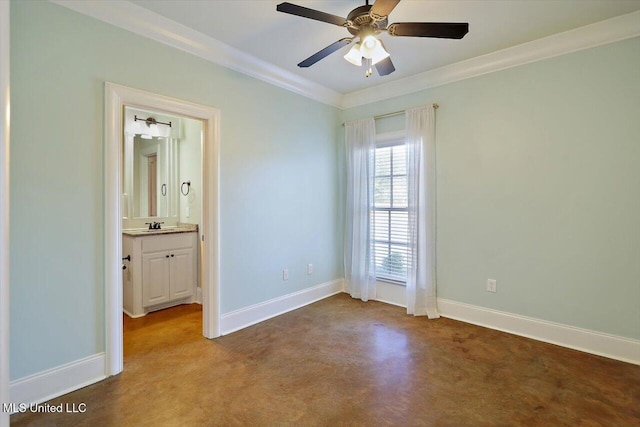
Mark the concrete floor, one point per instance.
(341, 362)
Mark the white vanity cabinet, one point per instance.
(162, 271)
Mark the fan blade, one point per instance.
(443, 30)
(325, 52)
(382, 8)
(385, 67)
(305, 12)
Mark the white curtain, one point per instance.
(421, 278)
(359, 270)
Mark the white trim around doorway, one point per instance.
(116, 98)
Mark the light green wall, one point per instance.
(538, 187)
(537, 182)
(279, 178)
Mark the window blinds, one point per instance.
(390, 217)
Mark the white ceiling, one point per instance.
(256, 28)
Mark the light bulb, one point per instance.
(368, 45)
(370, 42)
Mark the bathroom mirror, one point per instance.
(150, 163)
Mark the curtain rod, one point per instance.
(397, 113)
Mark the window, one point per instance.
(390, 214)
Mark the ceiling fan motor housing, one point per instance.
(361, 19)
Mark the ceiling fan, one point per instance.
(366, 23)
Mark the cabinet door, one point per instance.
(182, 273)
(155, 278)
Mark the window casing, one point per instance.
(390, 211)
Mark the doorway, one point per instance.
(118, 97)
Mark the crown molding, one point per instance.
(146, 23)
(608, 31)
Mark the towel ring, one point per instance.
(188, 184)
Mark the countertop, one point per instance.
(181, 228)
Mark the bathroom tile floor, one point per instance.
(342, 362)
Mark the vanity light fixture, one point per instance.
(150, 121)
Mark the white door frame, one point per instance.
(116, 98)
(4, 210)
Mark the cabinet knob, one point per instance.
(166, 256)
(171, 255)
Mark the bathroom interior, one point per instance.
(161, 211)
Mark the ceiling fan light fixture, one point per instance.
(378, 54)
(365, 22)
(354, 56)
(372, 49)
(368, 45)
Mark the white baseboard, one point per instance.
(598, 343)
(391, 293)
(132, 316)
(244, 317)
(397, 304)
(46, 385)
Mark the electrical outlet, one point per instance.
(309, 269)
(285, 274)
(492, 286)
